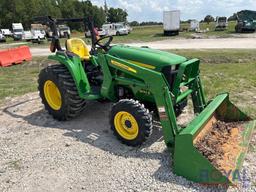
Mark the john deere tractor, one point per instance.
(142, 82)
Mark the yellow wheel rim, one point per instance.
(52, 95)
(126, 125)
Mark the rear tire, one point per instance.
(131, 122)
(70, 104)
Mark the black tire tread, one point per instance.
(73, 104)
(141, 114)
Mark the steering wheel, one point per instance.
(104, 46)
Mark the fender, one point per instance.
(76, 70)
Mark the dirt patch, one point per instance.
(221, 145)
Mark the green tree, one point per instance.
(48, 7)
(208, 19)
(23, 11)
(99, 16)
(7, 16)
(233, 17)
(117, 15)
(134, 23)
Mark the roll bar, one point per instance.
(52, 23)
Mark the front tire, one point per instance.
(131, 122)
(59, 94)
(238, 28)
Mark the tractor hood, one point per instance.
(146, 57)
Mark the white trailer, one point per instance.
(171, 22)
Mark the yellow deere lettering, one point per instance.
(123, 66)
(142, 64)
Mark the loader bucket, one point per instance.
(215, 165)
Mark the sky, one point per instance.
(152, 10)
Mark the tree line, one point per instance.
(23, 11)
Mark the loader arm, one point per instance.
(181, 141)
(156, 83)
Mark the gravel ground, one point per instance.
(219, 43)
(38, 153)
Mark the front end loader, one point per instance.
(145, 83)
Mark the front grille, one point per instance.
(170, 73)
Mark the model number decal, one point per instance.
(162, 113)
(161, 109)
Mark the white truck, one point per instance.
(126, 26)
(194, 25)
(100, 31)
(2, 37)
(64, 31)
(35, 35)
(28, 35)
(171, 20)
(121, 29)
(109, 29)
(115, 29)
(38, 34)
(221, 23)
(6, 32)
(18, 31)
(112, 29)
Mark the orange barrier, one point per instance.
(25, 51)
(15, 56)
(5, 58)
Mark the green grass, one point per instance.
(155, 33)
(211, 33)
(232, 71)
(220, 56)
(20, 79)
(152, 33)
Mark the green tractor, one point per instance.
(143, 83)
(246, 21)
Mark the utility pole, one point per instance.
(106, 9)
